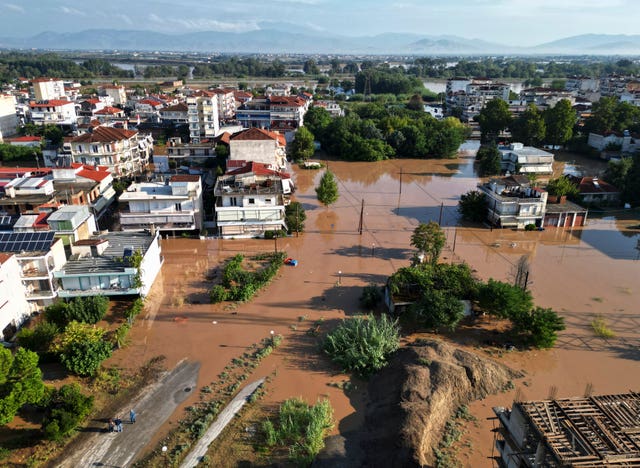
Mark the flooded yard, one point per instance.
(584, 273)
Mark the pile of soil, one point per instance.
(411, 400)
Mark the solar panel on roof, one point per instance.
(25, 241)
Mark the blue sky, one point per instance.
(514, 22)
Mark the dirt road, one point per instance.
(153, 408)
(200, 449)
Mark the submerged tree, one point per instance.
(327, 191)
(429, 239)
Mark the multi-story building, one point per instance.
(251, 200)
(203, 115)
(512, 202)
(112, 264)
(72, 223)
(226, 103)
(54, 112)
(182, 154)
(468, 97)
(47, 89)
(176, 114)
(117, 93)
(82, 184)
(581, 84)
(8, 116)
(618, 142)
(39, 254)
(282, 113)
(174, 205)
(111, 115)
(592, 432)
(614, 85)
(519, 159)
(258, 145)
(332, 107)
(545, 97)
(124, 152)
(14, 308)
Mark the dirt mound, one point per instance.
(411, 400)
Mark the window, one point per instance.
(252, 201)
(94, 149)
(267, 201)
(178, 207)
(96, 161)
(83, 160)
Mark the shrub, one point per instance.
(504, 300)
(539, 327)
(600, 327)
(363, 344)
(20, 382)
(530, 227)
(438, 309)
(84, 357)
(89, 309)
(39, 339)
(65, 408)
(295, 217)
(134, 310)
(218, 294)
(473, 206)
(370, 297)
(301, 428)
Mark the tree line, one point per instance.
(14, 65)
(371, 132)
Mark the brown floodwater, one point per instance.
(581, 273)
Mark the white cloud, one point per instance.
(12, 7)
(124, 18)
(155, 18)
(72, 11)
(201, 24)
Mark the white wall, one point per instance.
(151, 264)
(14, 308)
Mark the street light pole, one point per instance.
(339, 277)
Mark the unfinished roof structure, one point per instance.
(586, 432)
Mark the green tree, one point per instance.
(473, 206)
(489, 158)
(504, 300)
(437, 309)
(631, 191)
(493, 119)
(562, 187)
(317, 119)
(603, 115)
(327, 191)
(295, 217)
(65, 408)
(529, 128)
(560, 120)
(429, 239)
(20, 382)
(539, 327)
(416, 103)
(84, 357)
(39, 339)
(302, 148)
(310, 67)
(363, 344)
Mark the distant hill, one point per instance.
(277, 37)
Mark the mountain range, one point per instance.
(283, 38)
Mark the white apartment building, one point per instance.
(124, 152)
(14, 308)
(511, 202)
(117, 93)
(226, 103)
(46, 89)
(8, 116)
(471, 99)
(520, 159)
(53, 111)
(174, 205)
(251, 200)
(204, 121)
(258, 145)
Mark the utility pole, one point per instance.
(297, 220)
(400, 180)
(440, 218)
(361, 218)
(455, 236)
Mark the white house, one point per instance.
(258, 145)
(54, 112)
(624, 142)
(172, 206)
(45, 89)
(14, 308)
(112, 264)
(39, 254)
(512, 202)
(176, 114)
(117, 93)
(204, 120)
(520, 159)
(251, 200)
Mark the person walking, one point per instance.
(118, 425)
(132, 416)
(111, 425)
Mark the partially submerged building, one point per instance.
(512, 202)
(519, 159)
(111, 264)
(585, 432)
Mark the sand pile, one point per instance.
(411, 400)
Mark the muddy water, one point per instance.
(581, 273)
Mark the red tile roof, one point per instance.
(259, 134)
(225, 138)
(592, 185)
(109, 111)
(258, 169)
(185, 178)
(24, 139)
(51, 103)
(4, 257)
(105, 135)
(180, 107)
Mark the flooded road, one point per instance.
(581, 273)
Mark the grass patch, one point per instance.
(600, 327)
(597, 299)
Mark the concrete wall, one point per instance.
(151, 265)
(263, 151)
(14, 308)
